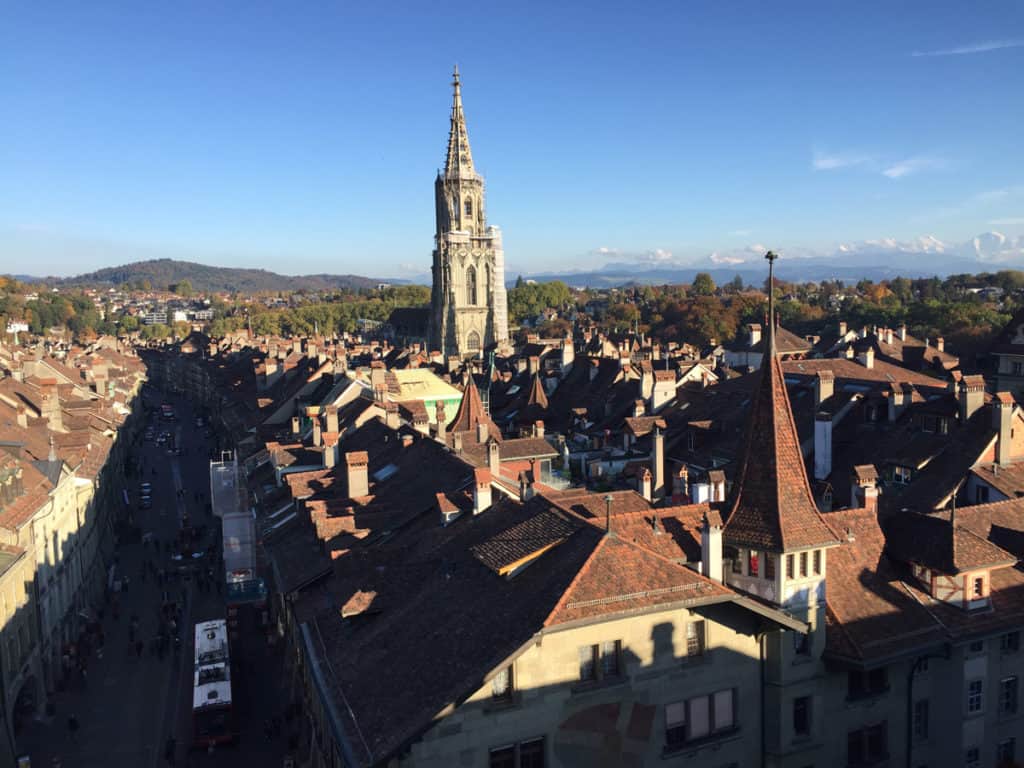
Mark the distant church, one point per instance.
(468, 304)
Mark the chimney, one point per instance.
(646, 383)
(1002, 422)
(842, 328)
(330, 454)
(526, 491)
(972, 396)
(867, 357)
(332, 418)
(899, 396)
(864, 489)
(711, 549)
(888, 336)
(481, 490)
(658, 460)
(664, 389)
(538, 428)
(940, 344)
(639, 408)
(50, 406)
(681, 482)
(317, 431)
(408, 440)
(493, 457)
(457, 442)
(902, 333)
(824, 387)
(716, 478)
(755, 333)
(568, 354)
(822, 445)
(391, 415)
(481, 432)
(442, 424)
(22, 416)
(645, 484)
(357, 472)
(311, 350)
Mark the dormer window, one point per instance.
(752, 563)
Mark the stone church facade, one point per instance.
(468, 305)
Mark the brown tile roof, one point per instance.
(932, 542)
(471, 412)
(773, 508)
(524, 541)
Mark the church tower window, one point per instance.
(471, 286)
(468, 207)
(473, 342)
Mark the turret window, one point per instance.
(473, 342)
(468, 207)
(471, 286)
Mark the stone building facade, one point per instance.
(468, 306)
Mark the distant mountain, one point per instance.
(163, 272)
(867, 259)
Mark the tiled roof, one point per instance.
(772, 507)
(932, 542)
(524, 540)
(471, 412)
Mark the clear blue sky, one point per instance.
(304, 137)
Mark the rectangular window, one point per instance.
(790, 560)
(769, 566)
(981, 494)
(803, 565)
(1006, 752)
(501, 684)
(802, 716)
(921, 719)
(979, 587)
(1010, 642)
(675, 723)
(695, 639)
(531, 754)
(700, 717)
(975, 696)
(588, 662)
(610, 651)
(817, 562)
(723, 714)
(972, 757)
(503, 757)
(871, 683)
(737, 563)
(752, 563)
(867, 745)
(978, 646)
(1008, 696)
(802, 643)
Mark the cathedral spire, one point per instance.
(459, 163)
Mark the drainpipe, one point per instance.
(914, 668)
(764, 731)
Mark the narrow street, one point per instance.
(136, 694)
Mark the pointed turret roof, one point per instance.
(773, 508)
(459, 162)
(471, 412)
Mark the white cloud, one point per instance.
(990, 45)
(830, 161)
(911, 165)
(739, 233)
(1011, 221)
(721, 258)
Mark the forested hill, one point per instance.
(160, 273)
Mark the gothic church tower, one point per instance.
(468, 306)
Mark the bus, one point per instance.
(212, 705)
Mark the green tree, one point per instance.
(703, 285)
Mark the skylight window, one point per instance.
(385, 472)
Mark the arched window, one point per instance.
(473, 342)
(471, 286)
(468, 207)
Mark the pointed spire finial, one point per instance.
(459, 160)
(53, 451)
(771, 256)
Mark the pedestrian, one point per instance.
(73, 727)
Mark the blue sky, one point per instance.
(304, 137)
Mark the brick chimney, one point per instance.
(867, 357)
(864, 488)
(538, 428)
(888, 336)
(940, 344)
(317, 431)
(442, 423)
(824, 387)
(391, 415)
(972, 396)
(681, 481)
(664, 389)
(296, 426)
(1002, 422)
(526, 491)
(639, 408)
(716, 478)
(842, 328)
(568, 354)
(357, 473)
(331, 413)
(494, 457)
(899, 399)
(481, 490)
(22, 416)
(481, 432)
(902, 332)
(457, 443)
